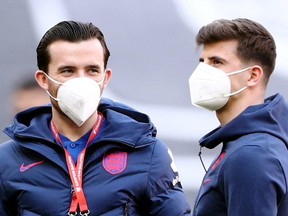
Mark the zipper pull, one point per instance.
(126, 209)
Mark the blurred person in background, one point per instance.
(83, 154)
(249, 177)
(27, 94)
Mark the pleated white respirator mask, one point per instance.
(78, 98)
(210, 87)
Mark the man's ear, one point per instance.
(41, 79)
(108, 76)
(255, 76)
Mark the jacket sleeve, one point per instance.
(165, 193)
(253, 182)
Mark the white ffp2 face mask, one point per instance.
(210, 87)
(78, 98)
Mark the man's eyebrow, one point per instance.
(213, 58)
(93, 66)
(218, 58)
(65, 67)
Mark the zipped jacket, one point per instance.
(249, 177)
(127, 170)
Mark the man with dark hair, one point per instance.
(249, 177)
(84, 155)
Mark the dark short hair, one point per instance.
(71, 31)
(255, 43)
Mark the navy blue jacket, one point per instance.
(249, 178)
(127, 171)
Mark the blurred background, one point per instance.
(153, 53)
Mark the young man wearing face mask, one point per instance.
(249, 177)
(84, 155)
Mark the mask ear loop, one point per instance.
(56, 99)
(236, 92)
(242, 89)
(239, 71)
(55, 81)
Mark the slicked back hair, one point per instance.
(70, 31)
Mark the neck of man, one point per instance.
(237, 104)
(69, 129)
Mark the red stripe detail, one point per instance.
(218, 160)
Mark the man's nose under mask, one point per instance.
(78, 98)
(210, 87)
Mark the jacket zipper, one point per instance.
(126, 209)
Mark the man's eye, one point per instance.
(95, 71)
(67, 71)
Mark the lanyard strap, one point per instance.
(76, 172)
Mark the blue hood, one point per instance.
(270, 117)
(34, 123)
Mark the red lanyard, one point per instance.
(76, 172)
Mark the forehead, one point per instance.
(223, 49)
(60, 51)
